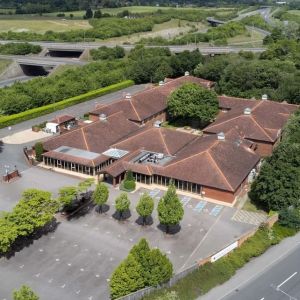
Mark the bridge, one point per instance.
(214, 22)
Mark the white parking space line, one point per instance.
(285, 281)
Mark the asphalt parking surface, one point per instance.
(76, 260)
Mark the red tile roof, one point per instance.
(264, 122)
(62, 119)
(97, 136)
(149, 102)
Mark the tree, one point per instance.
(141, 253)
(25, 293)
(67, 195)
(192, 101)
(122, 204)
(170, 210)
(83, 186)
(35, 209)
(161, 268)
(100, 195)
(127, 278)
(145, 207)
(290, 217)
(156, 267)
(39, 150)
(88, 13)
(98, 14)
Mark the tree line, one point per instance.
(19, 49)
(277, 187)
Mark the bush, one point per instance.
(129, 185)
(19, 49)
(39, 150)
(40, 111)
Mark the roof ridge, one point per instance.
(213, 125)
(164, 142)
(84, 138)
(199, 153)
(252, 117)
(218, 168)
(139, 118)
(123, 139)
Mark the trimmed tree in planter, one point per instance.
(129, 181)
(100, 195)
(145, 207)
(170, 210)
(122, 204)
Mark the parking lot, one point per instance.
(76, 261)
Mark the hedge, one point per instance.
(43, 110)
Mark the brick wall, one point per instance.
(219, 194)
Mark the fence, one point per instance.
(146, 291)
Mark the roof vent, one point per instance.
(103, 117)
(161, 83)
(247, 111)
(128, 96)
(186, 73)
(264, 97)
(221, 136)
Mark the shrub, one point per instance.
(43, 110)
(25, 293)
(129, 185)
(39, 150)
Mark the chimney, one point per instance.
(186, 73)
(264, 97)
(103, 117)
(128, 96)
(247, 111)
(221, 136)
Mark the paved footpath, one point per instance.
(256, 269)
(77, 110)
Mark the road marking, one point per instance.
(200, 243)
(282, 283)
(216, 210)
(263, 298)
(201, 204)
(268, 266)
(185, 200)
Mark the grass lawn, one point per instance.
(4, 63)
(41, 26)
(294, 12)
(249, 206)
(142, 9)
(251, 38)
(166, 30)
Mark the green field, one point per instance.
(294, 12)
(252, 38)
(4, 63)
(166, 30)
(41, 26)
(142, 9)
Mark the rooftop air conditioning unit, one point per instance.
(161, 83)
(264, 97)
(186, 73)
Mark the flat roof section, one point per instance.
(115, 153)
(77, 152)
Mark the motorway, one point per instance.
(11, 81)
(280, 282)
